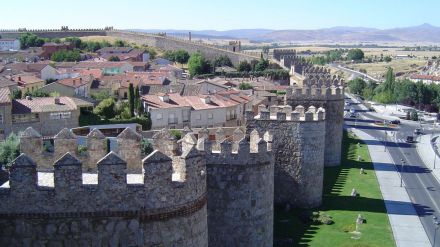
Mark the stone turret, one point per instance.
(297, 139)
(65, 142)
(240, 191)
(332, 99)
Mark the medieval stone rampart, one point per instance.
(172, 43)
(68, 208)
(128, 148)
(240, 185)
(332, 100)
(297, 139)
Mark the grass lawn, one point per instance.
(343, 208)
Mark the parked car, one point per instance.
(396, 121)
(417, 131)
(347, 103)
(409, 139)
(352, 110)
(353, 115)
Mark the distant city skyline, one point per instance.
(221, 15)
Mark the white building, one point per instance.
(225, 109)
(9, 44)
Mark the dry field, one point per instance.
(400, 67)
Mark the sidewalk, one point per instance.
(426, 152)
(407, 229)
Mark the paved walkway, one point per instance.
(428, 155)
(407, 229)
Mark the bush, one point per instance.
(146, 147)
(414, 116)
(9, 150)
(245, 86)
(105, 108)
(176, 133)
(66, 56)
(90, 118)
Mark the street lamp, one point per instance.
(402, 163)
(435, 153)
(436, 225)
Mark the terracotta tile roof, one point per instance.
(26, 79)
(27, 67)
(232, 98)
(175, 100)
(95, 73)
(114, 49)
(425, 77)
(91, 65)
(5, 96)
(43, 104)
(75, 82)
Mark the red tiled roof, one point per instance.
(26, 79)
(5, 95)
(175, 100)
(75, 82)
(425, 77)
(95, 73)
(44, 104)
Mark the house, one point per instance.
(123, 54)
(172, 71)
(426, 79)
(47, 115)
(28, 83)
(71, 87)
(9, 44)
(50, 48)
(5, 112)
(162, 62)
(175, 111)
(43, 70)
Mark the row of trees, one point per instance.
(30, 40)
(66, 56)
(422, 96)
(179, 56)
(356, 55)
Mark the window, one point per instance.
(1, 118)
(210, 116)
(159, 116)
(60, 115)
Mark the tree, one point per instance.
(198, 65)
(30, 40)
(222, 60)
(131, 99)
(66, 56)
(16, 94)
(355, 54)
(387, 59)
(262, 65)
(9, 149)
(114, 59)
(181, 56)
(105, 108)
(357, 86)
(414, 116)
(244, 66)
(120, 43)
(245, 86)
(75, 41)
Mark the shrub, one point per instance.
(176, 133)
(9, 150)
(105, 108)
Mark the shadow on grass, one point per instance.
(290, 229)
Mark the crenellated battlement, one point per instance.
(285, 113)
(166, 182)
(236, 150)
(311, 93)
(31, 143)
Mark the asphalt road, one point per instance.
(421, 185)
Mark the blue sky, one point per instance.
(218, 15)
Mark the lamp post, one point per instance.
(436, 225)
(402, 163)
(435, 153)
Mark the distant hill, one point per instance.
(416, 34)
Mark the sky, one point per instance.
(218, 15)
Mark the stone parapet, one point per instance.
(314, 93)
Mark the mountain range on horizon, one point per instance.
(424, 33)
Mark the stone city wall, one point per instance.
(128, 147)
(68, 208)
(297, 139)
(239, 184)
(171, 43)
(332, 99)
